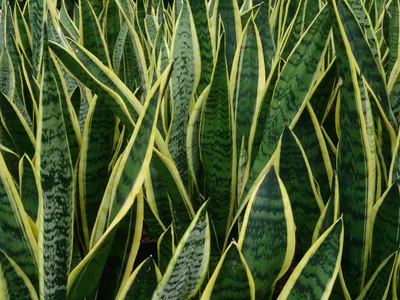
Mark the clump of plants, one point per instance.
(221, 149)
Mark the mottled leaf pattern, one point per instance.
(268, 227)
(54, 165)
(292, 86)
(216, 146)
(315, 274)
(188, 266)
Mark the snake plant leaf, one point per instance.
(325, 90)
(90, 34)
(231, 278)
(192, 141)
(394, 58)
(129, 178)
(7, 147)
(142, 282)
(123, 252)
(37, 11)
(189, 264)
(3, 24)
(131, 68)
(16, 238)
(385, 219)
(15, 55)
(75, 16)
(22, 31)
(267, 236)
(67, 22)
(394, 172)
(354, 168)
(119, 48)
(330, 214)
(379, 284)
(216, 146)
(309, 133)
(295, 29)
(264, 29)
(112, 24)
(201, 22)
(230, 16)
(139, 150)
(70, 119)
(157, 197)
(7, 85)
(311, 10)
(137, 46)
(184, 80)
(85, 277)
(369, 67)
(95, 156)
(28, 187)
(17, 283)
(151, 29)
(165, 248)
(248, 79)
(76, 99)
(98, 78)
(291, 90)
(304, 199)
(182, 210)
(17, 127)
(263, 111)
(55, 218)
(321, 263)
(361, 14)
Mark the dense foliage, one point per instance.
(198, 149)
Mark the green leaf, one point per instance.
(231, 279)
(37, 11)
(7, 77)
(369, 67)
(188, 266)
(292, 88)
(230, 16)
(386, 223)
(16, 126)
(247, 80)
(29, 187)
(124, 185)
(95, 157)
(216, 147)
(379, 284)
(123, 252)
(165, 248)
(310, 135)
(296, 175)
(16, 238)
(315, 274)
(66, 21)
(184, 80)
(267, 236)
(142, 282)
(90, 34)
(18, 285)
(22, 32)
(182, 213)
(88, 69)
(262, 22)
(53, 163)
(355, 174)
(201, 23)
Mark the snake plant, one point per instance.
(199, 149)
